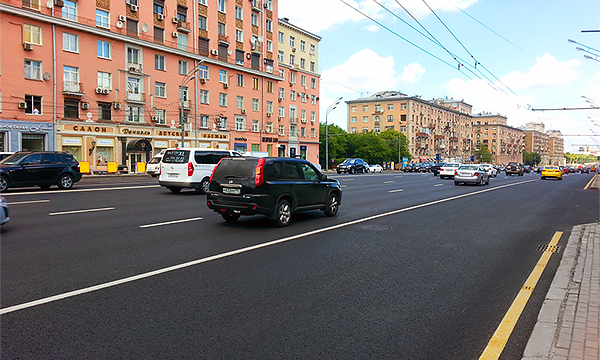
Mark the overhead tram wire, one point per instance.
(401, 37)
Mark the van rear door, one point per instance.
(174, 165)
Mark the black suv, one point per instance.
(276, 187)
(39, 168)
(352, 166)
(514, 168)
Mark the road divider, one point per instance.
(170, 222)
(242, 250)
(80, 211)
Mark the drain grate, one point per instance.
(548, 248)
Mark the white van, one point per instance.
(153, 166)
(190, 167)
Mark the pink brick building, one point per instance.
(109, 80)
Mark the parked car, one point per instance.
(447, 171)
(552, 171)
(585, 169)
(491, 170)
(527, 168)
(153, 166)
(39, 168)
(183, 168)
(435, 169)
(514, 168)
(376, 168)
(424, 167)
(4, 218)
(5, 154)
(352, 166)
(276, 187)
(471, 174)
(411, 167)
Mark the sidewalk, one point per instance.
(568, 323)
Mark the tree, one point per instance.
(531, 158)
(391, 137)
(337, 144)
(483, 154)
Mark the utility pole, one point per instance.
(329, 109)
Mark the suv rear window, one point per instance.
(237, 167)
(176, 156)
(209, 157)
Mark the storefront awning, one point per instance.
(139, 145)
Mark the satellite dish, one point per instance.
(47, 76)
(119, 24)
(145, 28)
(229, 52)
(253, 40)
(50, 4)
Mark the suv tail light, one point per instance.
(215, 168)
(259, 173)
(190, 169)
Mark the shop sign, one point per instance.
(161, 144)
(170, 133)
(104, 142)
(83, 128)
(268, 139)
(135, 132)
(32, 128)
(240, 139)
(215, 136)
(71, 141)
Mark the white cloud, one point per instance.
(372, 28)
(412, 73)
(546, 72)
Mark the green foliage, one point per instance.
(483, 155)
(371, 147)
(580, 158)
(531, 158)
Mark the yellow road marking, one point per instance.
(500, 338)
(588, 184)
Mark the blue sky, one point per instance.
(536, 67)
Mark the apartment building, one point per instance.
(112, 80)
(537, 141)
(556, 148)
(441, 126)
(506, 143)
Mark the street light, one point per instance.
(191, 75)
(329, 109)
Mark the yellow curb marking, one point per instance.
(588, 184)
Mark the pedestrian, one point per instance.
(35, 111)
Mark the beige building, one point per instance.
(504, 142)
(556, 147)
(432, 127)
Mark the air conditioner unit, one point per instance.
(27, 46)
(249, 56)
(293, 49)
(243, 111)
(160, 16)
(22, 105)
(105, 91)
(280, 118)
(266, 5)
(122, 18)
(225, 86)
(280, 99)
(85, 106)
(202, 80)
(117, 105)
(99, 90)
(214, 52)
(269, 114)
(175, 34)
(175, 20)
(59, 3)
(311, 52)
(134, 8)
(154, 118)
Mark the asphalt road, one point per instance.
(413, 267)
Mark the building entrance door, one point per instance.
(134, 158)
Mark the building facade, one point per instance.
(504, 142)
(112, 80)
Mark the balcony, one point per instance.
(72, 88)
(256, 5)
(136, 97)
(422, 134)
(183, 26)
(293, 120)
(135, 68)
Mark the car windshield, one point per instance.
(468, 167)
(155, 160)
(551, 168)
(14, 159)
(349, 161)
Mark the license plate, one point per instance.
(465, 174)
(232, 191)
(173, 175)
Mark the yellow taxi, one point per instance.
(552, 171)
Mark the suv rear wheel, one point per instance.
(333, 205)
(3, 184)
(65, 182)
(283, 213)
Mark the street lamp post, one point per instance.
(329, 109)
(191, 75)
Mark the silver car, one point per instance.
(471, 174)
(3, 211)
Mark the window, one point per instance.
(32, 4)
(221, 5)
(353, 130)
(281, 111)
(269, 25)
(239, 35)
(254, 19)
(281, 93)
(303, 80)
(69, 10)
(293, 130)
(33, 102)
(270, 87)
(313, 133)
(313, 85)
(222, 29)
(223, 76)
(70, 78)
(255, 84)
(365, 119)
(161, 116)
(222, 99)
(132, 27)
(202, 2)
(280, 56)
(239, 13)
(281, 130)
(403, 106)
(292, 41)
(204, 96)
(104, 80)
(269, 127)
(32, 34)
(71, 108)
(292, 77)
(353, 119)
(181, 13)
(222, 123)
(240, 79)
(303, 132)
(239, 102)
(183, 93)
(103, 49)
(292, 59)
(255, 126)
(293, 95)
(239, 57)
(160, 89)
(270, 107)
(133, 114)
(390, 118)
(240, 123)
(33, 70)
(312, 66)
(182, 41)
(159, 34)
(269, 4)
(133, 56)
(365, 107)
(204, 121)
(183, 67)
(159, 62)
(102, 19)
(280, 37)
(202, 22)
(159, 7)
(269, 46)
(302, 45)
(254, 104)
(104, 111)
(302, 63)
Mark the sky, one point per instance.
(525, 62)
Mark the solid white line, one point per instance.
(389, 182)
(398, 190)
(81, 190)
(170, 222)
(80, 211)
(343, 186)
(438, 185)
(238, 251)
(28, 202)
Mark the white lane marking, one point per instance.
(81, 190)
(398, 190)
(170, 222)
(438, 185)
(389, 182)
(238, 251)
(80, 211)
(348, 179)
(343, 186)
(28, 202)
